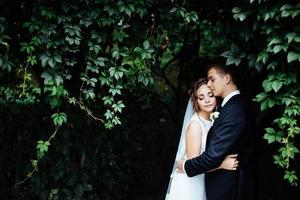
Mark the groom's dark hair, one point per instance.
(224, 69)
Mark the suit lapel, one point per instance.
(210, 132)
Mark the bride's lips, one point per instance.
(208, 106)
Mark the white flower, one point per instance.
(214, 116)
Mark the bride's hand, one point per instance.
(230, 162)
(179, 166)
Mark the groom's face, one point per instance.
(216, 82)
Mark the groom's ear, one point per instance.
(228, 79)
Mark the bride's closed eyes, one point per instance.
(201, 96)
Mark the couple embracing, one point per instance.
(214, 160)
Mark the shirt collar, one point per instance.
(231, 94)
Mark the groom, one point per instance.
(231, 133)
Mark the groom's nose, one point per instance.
(209, 83)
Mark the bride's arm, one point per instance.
(193, 140)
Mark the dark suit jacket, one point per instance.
(232, 132)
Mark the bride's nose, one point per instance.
(206, 99)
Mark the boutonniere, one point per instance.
(214, 115)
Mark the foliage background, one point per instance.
(93, 92)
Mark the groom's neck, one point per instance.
(229, 89)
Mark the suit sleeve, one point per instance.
(229, 127)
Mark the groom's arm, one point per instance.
(232, 121)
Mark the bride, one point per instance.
(192, 143)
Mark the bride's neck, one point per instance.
(205, 115)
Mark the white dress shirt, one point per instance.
(231, 94)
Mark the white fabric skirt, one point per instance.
(183, 187)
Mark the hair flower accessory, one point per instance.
(214, 116)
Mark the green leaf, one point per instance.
(100, 62)
(263, 57)
(59, 118)
(242, 16)
(272, 65)
(107, 100)
(72, 100)
(51, 62)
(89, 94)
(279, 161)
(116, 54)
(290, 36)
(276, 85)
(291, 177)
(42, 147)
(105, 79)
(270, 131)
(227, 54)
(174, 9)
(48, 78)
(53, 91)
(260, 97)
(277, 48)
(115, 90)
(108, 114)
(270, 138)
(44, 58)
(146, 44)
(116, 120)
(292, 56)
(31, 59)
(57, 58)
(236, 10)
(118, 106)
(58, 79)
(79, 190)
(267, 85)
(108, 124)
(286, 7)
(297, 38)
(275, 40)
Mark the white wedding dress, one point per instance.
(182, 187)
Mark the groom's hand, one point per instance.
(180, 166)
